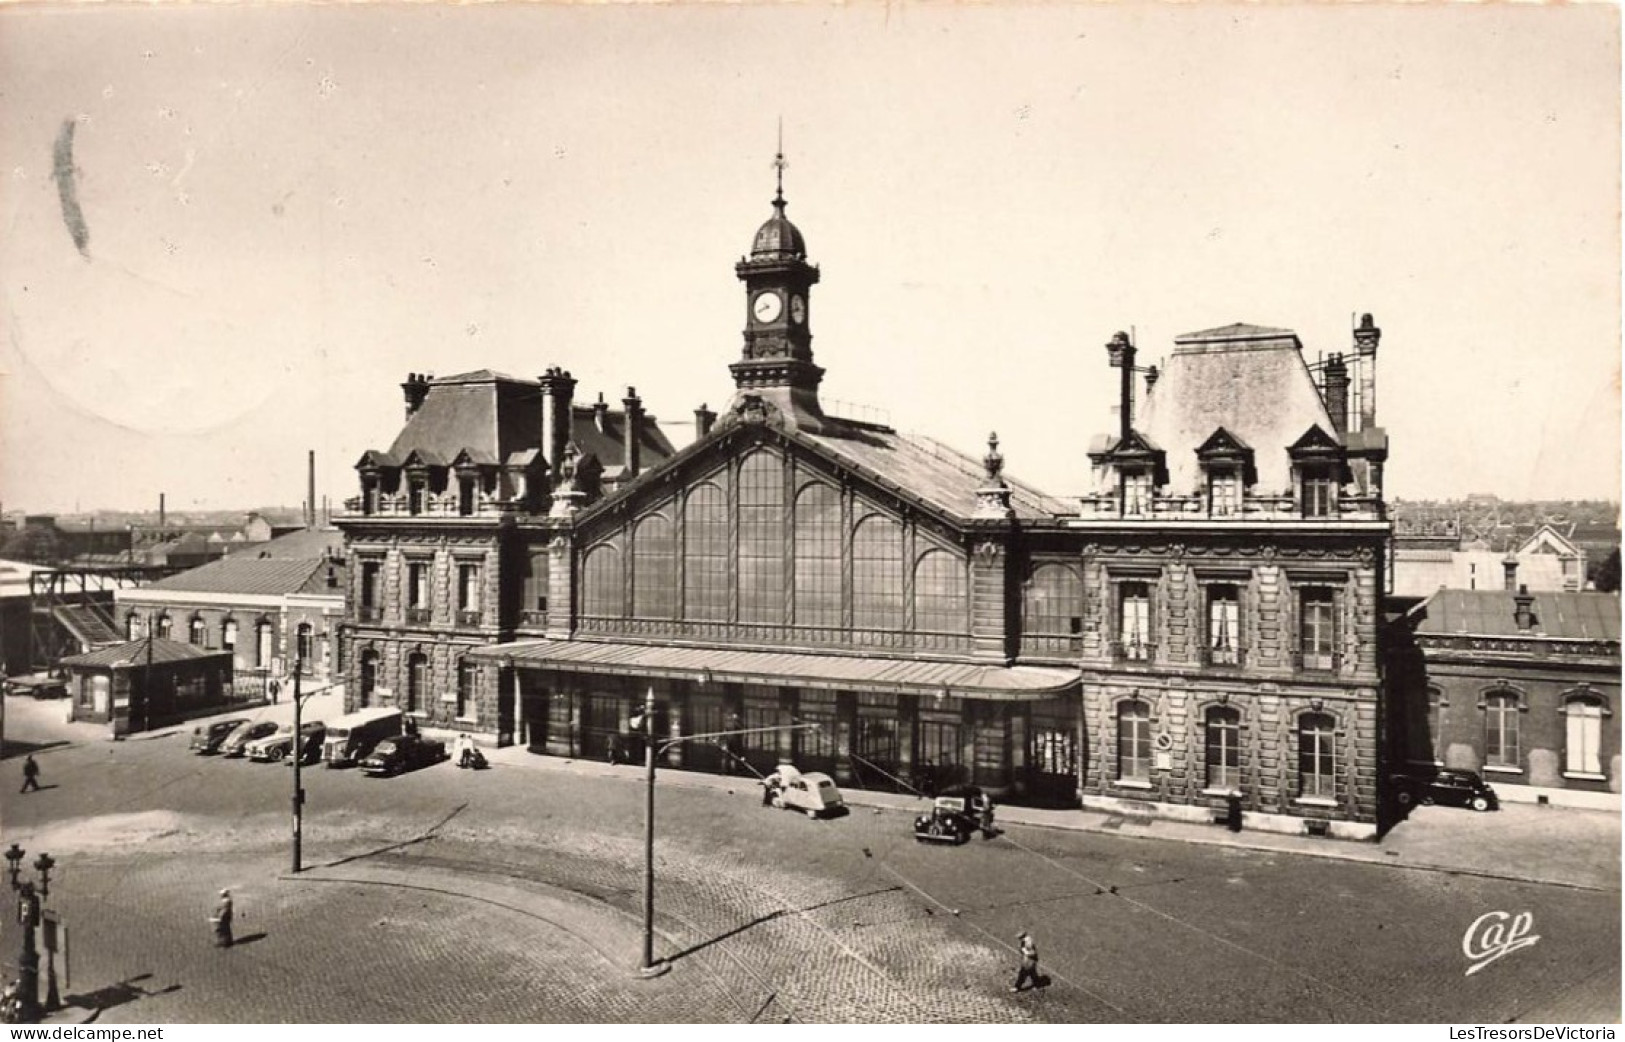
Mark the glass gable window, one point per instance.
(705, 565)
(761, 538)
(654, 570)
(818, 556)
(1223, 625)
(1223, 748)
(1134, 620)
(1317, 756)
(1134, 741)
(602, 595)
(940, 603)
(1501, 729)
(1052, 603)
(877, 574)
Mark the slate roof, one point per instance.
(1589, 615)
(134, 652)
(498, 417)
(244, 575)
(307, 544)
(930, 470)
(1250, 380)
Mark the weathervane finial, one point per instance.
(778, 165)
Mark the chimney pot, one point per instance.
(1523, 614)
(704, 420)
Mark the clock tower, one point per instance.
(776, 365)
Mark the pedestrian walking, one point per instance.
(222, 920)
(1029, 962)
(30, 774)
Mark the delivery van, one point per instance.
(351, 737)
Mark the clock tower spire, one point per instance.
(776, 365)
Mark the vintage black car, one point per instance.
(956, 813)
(206, 738)
(1450, 787)
(406, 752)
(275, 747)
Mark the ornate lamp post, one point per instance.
(30, 899)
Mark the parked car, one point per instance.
(813, 794)
(206, 738)
(403, 753)
(1448, 786)
(274, 747)
(956, 813)
(38, 687)
(236, 743)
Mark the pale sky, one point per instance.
(290, 208)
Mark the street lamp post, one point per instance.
(298, 758)
(649, 967)
(29, 900)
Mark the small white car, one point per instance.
(813, 794)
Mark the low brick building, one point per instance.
(1521, 686)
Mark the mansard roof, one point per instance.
(494, 417)
(1250, 380)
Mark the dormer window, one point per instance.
(1318, 491)
(466, 484)
(417, 486)
(1136, 493)
(1224, 493)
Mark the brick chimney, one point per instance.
(1366, 336)
(558, 393)
(1509, 564)
(1120, 350)
(416, 388)
(631, 446)
(1523, 613)
(704, 420)
(1336, 392)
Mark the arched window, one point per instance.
(705, 550)
(198, 632)
(1317, 755)
(654, 569)
(818, 556)
(305, 643)
(1133, 741)
(603, 582)
(761, 538)
(262, 644)
(417, 682)
(228, 634)
(132, 626)
(1052, 603)
(877, 574)
(165, 627)
(1223, 733)
(940, 603)
(1582, 746)
(1501, 729)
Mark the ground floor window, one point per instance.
(467, 677)
(1223, 725)
(1582, 748)
(417, 682)
(1134, 741)
(1317, 758)
(369, 676)
(1501, 729)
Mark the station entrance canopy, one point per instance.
(841, 672)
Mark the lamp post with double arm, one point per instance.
(30, 899)
(648, 967)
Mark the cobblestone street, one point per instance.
(514, 894)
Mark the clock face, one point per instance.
(798, 310)
(766, 306)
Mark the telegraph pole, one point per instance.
(649, 967)
(298, 758)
